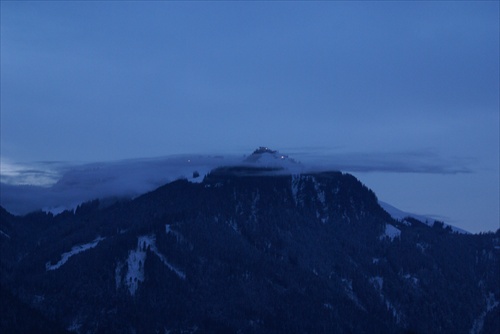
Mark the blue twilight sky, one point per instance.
(405, 95)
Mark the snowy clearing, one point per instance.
(75, 250)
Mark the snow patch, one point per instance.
(74, 250)
(328, 306)
(322, 199)
(75, 326)
(231, 223)
(118, 274)
(168, 228)
(422, 246)
(390, 232)
(296, 186)
(377, 282)
(395, 313)
(4, 234)
(319, 192)
(255, 201)
(351, 294)
(411, 278)
(491, 303)
(135, 263)
(179, 238)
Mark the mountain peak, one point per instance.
(266, 157)
(263, 149)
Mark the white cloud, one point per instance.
(37, 174)
(53, 186)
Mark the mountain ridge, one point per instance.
(250, 250)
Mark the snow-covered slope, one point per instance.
(401, 215)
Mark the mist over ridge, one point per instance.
(58, 186)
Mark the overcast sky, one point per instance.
(403, 94)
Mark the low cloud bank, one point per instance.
(58, 186)
(80, 183)
(390, 162)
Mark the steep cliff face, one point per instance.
(253, 250)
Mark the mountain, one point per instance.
(402, 215)
(247, 249)
(266, 157)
